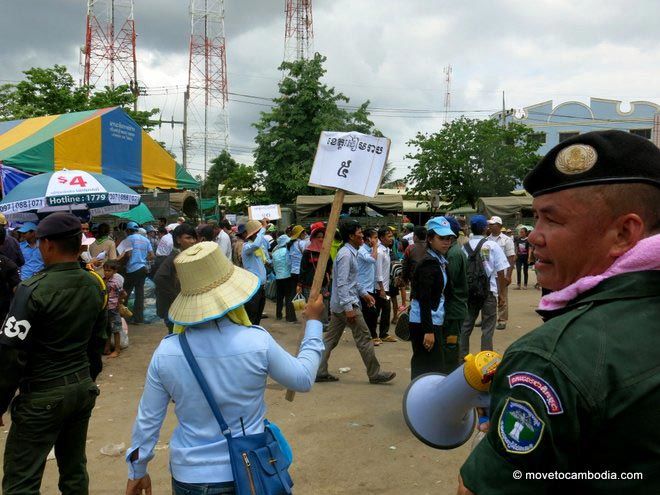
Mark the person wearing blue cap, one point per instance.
(139, 252)
(456, 304)
(34, 263)
(486, 273)
(427, 311)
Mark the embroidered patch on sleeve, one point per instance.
(520, 428)
(537, 384)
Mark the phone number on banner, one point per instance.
(77, 199)
(23, 205)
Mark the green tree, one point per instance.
(221, 168)
(53, 91)
(470, 158)
(42, 92)
(121, 96)
(240, 188)
(288, 134)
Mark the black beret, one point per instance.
(601, 157)
(59, 226)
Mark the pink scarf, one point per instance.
(644, 256)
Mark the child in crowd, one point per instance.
(115, 285)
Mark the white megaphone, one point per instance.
(440, 409)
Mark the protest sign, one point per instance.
(351, 161)
(345, 161)
(269, 212)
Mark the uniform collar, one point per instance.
(59, 267)
(632, 285)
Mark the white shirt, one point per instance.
(505, 242)
(165, 245)
(494, 259)
(224, 241)
(408, 237)
(383, 267)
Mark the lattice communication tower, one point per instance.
(207, 92)
(298, 30)
(109, 51)
(447, 72)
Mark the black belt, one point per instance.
(62, 381)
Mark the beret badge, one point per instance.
(576, 159)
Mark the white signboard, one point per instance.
(351, 161)
(259, 212)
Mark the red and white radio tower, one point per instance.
(109, 49)
(207, 119)
(298, 30)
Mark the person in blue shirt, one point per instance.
(139, 253)
(427, 312)
(236, 359)
(286, 287)
(367, 257)
(254, 261)
(34, 263)
(345, 309)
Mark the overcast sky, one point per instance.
(391, 52)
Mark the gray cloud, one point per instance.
(389, 52)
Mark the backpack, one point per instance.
(396, 274)
(478, 281)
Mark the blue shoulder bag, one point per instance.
(258, 463)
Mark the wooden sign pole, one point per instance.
(319, 274)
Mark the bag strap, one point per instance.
(477, 249)
(192, 362)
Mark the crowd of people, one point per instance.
(595, 247)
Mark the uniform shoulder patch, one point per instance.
(519, 427)
(538, 385)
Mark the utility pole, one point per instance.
(503, 111)
(185, 129)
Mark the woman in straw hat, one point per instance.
(235, 358)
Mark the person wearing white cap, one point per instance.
(506, 243)
(235, 357)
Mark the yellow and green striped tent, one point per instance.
(104, 141)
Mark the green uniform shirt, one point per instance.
(456, 292)
(580, 394)
(53, 319)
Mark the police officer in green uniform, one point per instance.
(456, 303)
(575, 404)
(50, 347)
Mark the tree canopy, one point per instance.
(288, 134)
(52, 91)
(470, 158)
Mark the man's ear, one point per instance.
(629, 230)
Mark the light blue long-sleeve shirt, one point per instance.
(235, 360)
(282, 263)
(252, 262)
(33, 261)
(346, 291)
(296, 252)
(366, 268)
(438, 314)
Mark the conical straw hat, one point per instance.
(211, 285)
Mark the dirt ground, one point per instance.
(348, 437)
